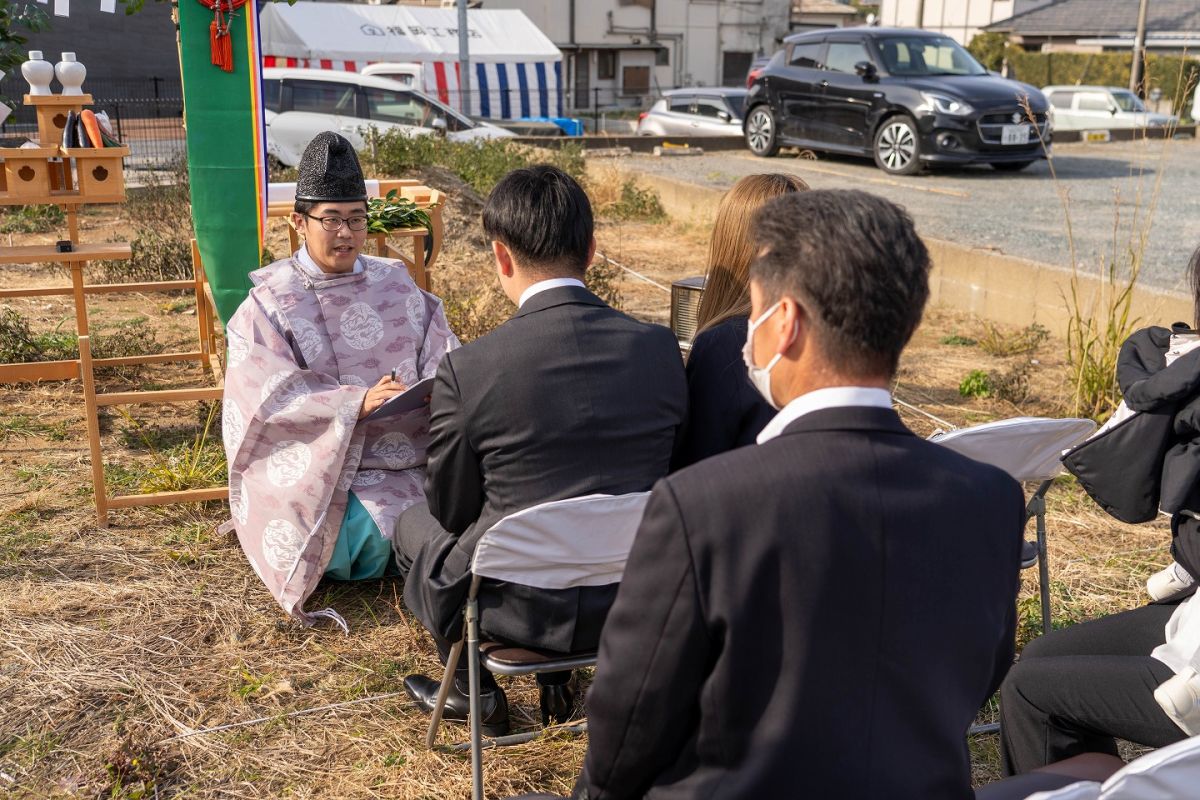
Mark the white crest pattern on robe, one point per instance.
(302, 352)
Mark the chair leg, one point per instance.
(1043, 566)
(475, 702)
(443, 693)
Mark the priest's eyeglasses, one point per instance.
(333, 224)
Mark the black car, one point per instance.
(908, 97)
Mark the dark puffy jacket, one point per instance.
(1151, 461)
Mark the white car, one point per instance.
(1077, 108)
(300, 103)
(698, 111)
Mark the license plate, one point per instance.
(1014, 134)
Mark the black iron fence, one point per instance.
(146, 113)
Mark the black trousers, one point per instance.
(1078, 689)
(420, 527)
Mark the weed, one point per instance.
(977, 383)
(32, 219)
(199, 464)
(601, 279)
(954, 340)
(1012, 384)
(481, 164)
(178, 306)
(19, 344)
(133, 772)
(161, 213)
(997, 343)
(617, 196)
(26, 427)
(20, 536)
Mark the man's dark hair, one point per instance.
(543, 216)
(856, 264)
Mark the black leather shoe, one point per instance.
(557, 702)
(492, 703)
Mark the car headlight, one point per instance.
(944, 104)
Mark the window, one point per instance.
(734, 67)
(712, 109)
(404, 108)
(1127, 101)
(924, 55)
(270, 90)
(1093, 102)
(323, 97)
(807, 55)
(1061, 99)
(843, 56)
(606, 65)
(681, 105)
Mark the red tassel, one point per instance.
(219, 41)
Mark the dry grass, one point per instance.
(119, 645)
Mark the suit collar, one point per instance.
(847, 418)
(562, 295)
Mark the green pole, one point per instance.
(225, 149)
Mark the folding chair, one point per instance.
(564, 544)
(1029, 449)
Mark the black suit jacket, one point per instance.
(725, 411)
(567, 398)
(820, 616)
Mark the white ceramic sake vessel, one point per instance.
(70, 74)
(38, 73)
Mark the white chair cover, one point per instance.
(1169, 773)
(1027, 448)
(563, 544)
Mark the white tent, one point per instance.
(515, 70)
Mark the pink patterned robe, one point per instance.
(302, 353)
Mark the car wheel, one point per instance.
(762, 136)
(1011, 166)
(897, 146)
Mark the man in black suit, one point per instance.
(824, 613)
(567, 398)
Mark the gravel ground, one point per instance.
(1019, 214)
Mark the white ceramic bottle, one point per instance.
(70, 74)
(38, 73)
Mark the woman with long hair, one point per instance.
(725, 410)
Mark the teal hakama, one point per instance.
(361, 552)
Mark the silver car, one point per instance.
(698, 111)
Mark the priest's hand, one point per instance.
(385, 389)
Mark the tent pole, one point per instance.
(464, 60)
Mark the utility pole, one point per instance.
(464, 60)
(1136, 76)
(921, 13)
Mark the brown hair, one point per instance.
(730, 251)
(1194, 280)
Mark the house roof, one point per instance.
(823, 7)
(1102, 18)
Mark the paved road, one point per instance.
(1020, 214)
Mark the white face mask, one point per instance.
(760, 376)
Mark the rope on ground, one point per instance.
(634, 273)
(949, 425)
(231, 725)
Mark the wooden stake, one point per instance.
(91, 412)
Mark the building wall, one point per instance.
(114, 46)
(695, 33)
(959, 19)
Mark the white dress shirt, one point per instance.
(552, 283)
(310, 266)
(831, 397)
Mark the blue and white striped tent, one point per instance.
(516, 71)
